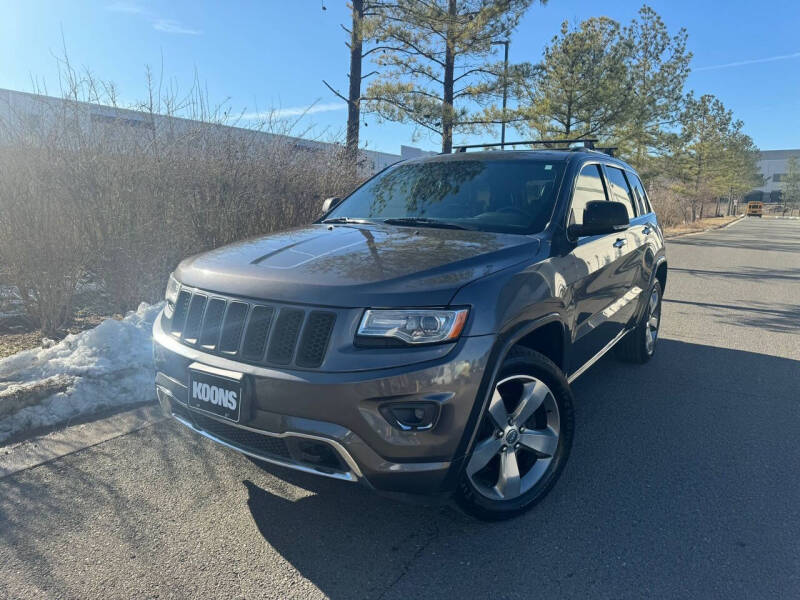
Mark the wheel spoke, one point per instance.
(513, 435)
(509, 482)
(497, 410)
(653, 322)
(542, 441)
(533, 394)
(482, 454)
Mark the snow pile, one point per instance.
(105, 367)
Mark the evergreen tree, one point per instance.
(658, 66)
(436, 65)
(712, 156)
(581, 88)
(365, 15)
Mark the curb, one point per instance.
(713, 228)
(46, 448)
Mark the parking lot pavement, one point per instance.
(683, 482)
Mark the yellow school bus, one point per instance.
(754, 209)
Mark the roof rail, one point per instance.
(610, 150)
(588, 144)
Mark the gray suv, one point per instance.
(421, 337)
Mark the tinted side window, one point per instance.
(638, 189)
(620, 190)
(588, 187)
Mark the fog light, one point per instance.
(416, 416)
(317, 453)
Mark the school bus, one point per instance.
(754, 209)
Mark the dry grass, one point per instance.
(11, 343)
(699, 225)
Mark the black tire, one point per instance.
(633, 348)
(524, 362)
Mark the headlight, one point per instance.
(171, 296)
(414, 326)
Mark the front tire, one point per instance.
(523, 439)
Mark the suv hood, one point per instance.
(355, 266)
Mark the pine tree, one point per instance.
(436, 63)
(712, 157)
(581, 87)
(658, 66)
(365, 15)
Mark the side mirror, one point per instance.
(330, 204)
(601, 217)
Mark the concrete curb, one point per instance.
(714, 228)
(39, 450)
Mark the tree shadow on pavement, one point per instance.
(758, 274)
(682, 483)
(668, 465)
(69, 495)
(780, 318)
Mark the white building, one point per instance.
(773, 165)
(23, 109)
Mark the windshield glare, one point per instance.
(509, 196)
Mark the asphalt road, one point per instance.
(684, 482)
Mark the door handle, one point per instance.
(647, 229)
(620, 242)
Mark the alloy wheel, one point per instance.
(653, 319)
(517, 440)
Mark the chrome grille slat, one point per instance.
(194, 318)
(181, 309)
(232, 327)
(212, 323)
(255, 332)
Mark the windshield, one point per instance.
(509, 196)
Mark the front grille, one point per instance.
(253, 332)
(194, 318)
(315, 454)
(179, 410)
(255, 340)
(181, 308)
(315, 338)
(213, 323)
(232, 327)
(242, 438)
(284, 338)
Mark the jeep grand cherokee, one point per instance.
(421, 337)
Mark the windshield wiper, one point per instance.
(424, 222)
(346, 220)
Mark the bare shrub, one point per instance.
(42, 248)
(671, 206)
(124, 195)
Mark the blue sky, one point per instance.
(275, 53)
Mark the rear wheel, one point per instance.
(523, 439)
(639, 345)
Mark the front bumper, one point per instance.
(330, 423)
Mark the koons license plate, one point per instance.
(220, 396)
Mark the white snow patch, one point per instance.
(108, 366)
